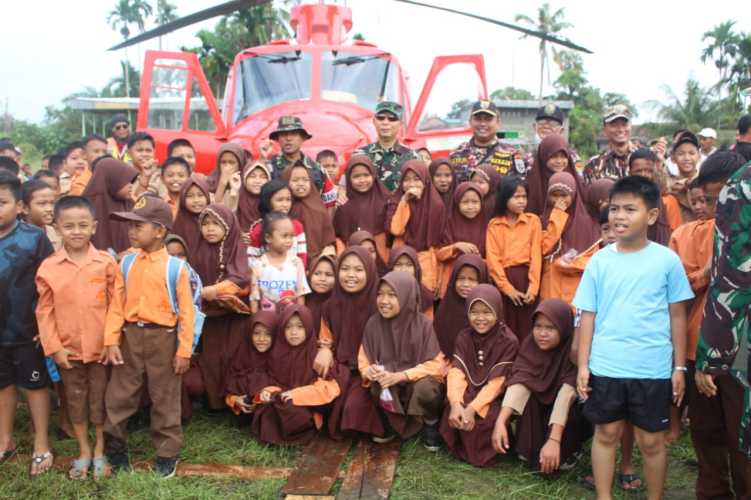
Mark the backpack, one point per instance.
(174, 265)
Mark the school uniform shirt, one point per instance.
(272, 284)
(22, 251)
(508, 246)
(693, 243)
(79, 181)
(146, 300)
(630, 294)
(73, 302)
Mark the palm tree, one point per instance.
(125, 13)
(721, 49)
(549, 23)
(165, 13)
(694, 110)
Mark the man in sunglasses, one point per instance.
(484, 146)
(117, 143)
(387, 154)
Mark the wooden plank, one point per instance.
(352, 482)
(243, 472)
(318, 468)
(371, 472)
(380, 470)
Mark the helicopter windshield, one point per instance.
(268, 79)
(359, 79)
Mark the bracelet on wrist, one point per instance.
(554, 440)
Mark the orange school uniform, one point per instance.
(693, 242)
(147, 301)
(516, 244)
(73, 303)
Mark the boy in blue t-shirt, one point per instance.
(22, 248)
(632, 341)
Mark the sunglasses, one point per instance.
(121, 127)
(390, 118)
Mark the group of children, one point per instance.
(314, 315)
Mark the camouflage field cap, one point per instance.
(615, 112)
(484, 106)
(148, 208)
(289, 124)
(389, 107)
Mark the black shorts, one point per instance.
(643, 402)
(23, 366)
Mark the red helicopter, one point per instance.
(332, 84)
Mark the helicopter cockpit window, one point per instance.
(451, 98)
(167, 96)
(269, 79)
(362, 79)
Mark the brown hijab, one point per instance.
(363, 211)
(346, 313)
(357, 238)
(226, 260)
(538, 178)
(312, 213)
(230, 147)
(544, 372)
(292, 366)
(581, 230)
(448, 196)
(451, 316)
(426, 296)
(247, 202)
(186, 223)
(488, 356)
(248, 370)
(596, 193)
(314, 300)
(406, 340)
(109, 177)
(427, 215)
(460, 228)
(492, 177)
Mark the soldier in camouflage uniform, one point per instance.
(723, 440)
(290, 134)
(484, 146)
(387, 154)
(613, 162)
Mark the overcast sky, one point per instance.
(51, 49)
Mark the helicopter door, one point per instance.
(177, 103)
(439, 121)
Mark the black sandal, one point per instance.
(8, 454)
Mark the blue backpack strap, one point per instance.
(174, 265)
(126, 264)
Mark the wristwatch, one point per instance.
(680, 368)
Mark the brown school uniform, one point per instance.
(541, 390)
(142, 323)
(405, 343)
(514, 256)
(427, 296)
(297, 421)
(224, 265)
(342, 323)
(71, 313)
(479, 367)
(419, 223)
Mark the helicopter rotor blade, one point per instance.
(537, 34)
(196, 17)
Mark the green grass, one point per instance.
(420, 475)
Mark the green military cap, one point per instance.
(289, 124)
(389, 107)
